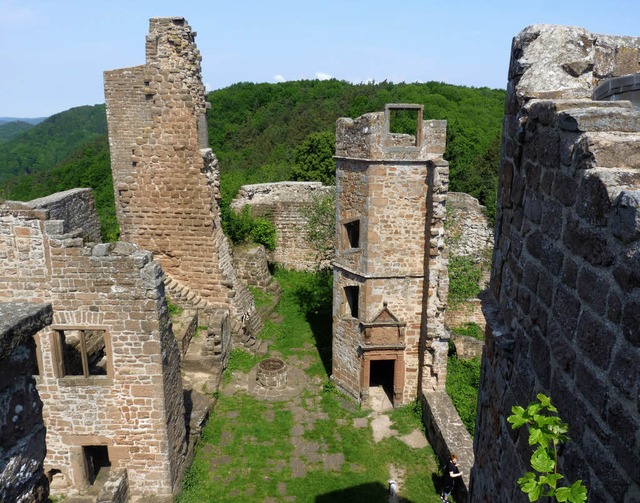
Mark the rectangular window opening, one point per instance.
(404, 124)
(351, 294)
(82, 352)
(353, 233)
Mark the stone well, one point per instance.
(272, 373)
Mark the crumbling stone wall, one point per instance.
(165, 176)
(22, 431)
(130, 403)
(563, 308)
(390, 273)
(283, 204)
(468, 226)
(468, 234)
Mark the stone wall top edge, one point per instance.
(42, 202)
(534, 28)
(135, 70)
(557, 61)
(430, 159)
(462, 200)
(19, 321)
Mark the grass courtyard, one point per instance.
(315, 447)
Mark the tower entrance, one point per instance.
(381, 374)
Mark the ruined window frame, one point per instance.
(347, 235)
(348, 306)
(388, 111)
(86, 377)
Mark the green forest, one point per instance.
(262, 133)
(48, 144)
(11, 129)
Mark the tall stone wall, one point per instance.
(22, 431)
(283, 203)
(126, 397)
(563, 308)
(165, 176)
(390, 276)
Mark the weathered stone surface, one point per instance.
(22, 431)
(283, 203)
(112, 297)
(166, 179)
(568, 301)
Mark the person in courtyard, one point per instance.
(451, 474)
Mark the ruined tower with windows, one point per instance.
(390, 271)
(165, 176)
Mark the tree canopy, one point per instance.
(263, 133)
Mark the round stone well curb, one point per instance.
(289, 387)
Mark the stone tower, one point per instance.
(390, 274)
(165, 176)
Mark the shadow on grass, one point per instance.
(365, 493)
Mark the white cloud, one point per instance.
(323, 76)
(279, 78)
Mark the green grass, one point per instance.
(248, 449)
(260, 297)
(470, 329)
(463, 381)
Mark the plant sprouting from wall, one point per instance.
(546, 432)
(320, 225)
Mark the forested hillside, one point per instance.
(10, 129)
(260, 133)
(48, 143)
(254, 129)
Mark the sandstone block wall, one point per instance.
(563, 308)
(391, 193)
(165, 176)
(22, 431)
(253, 266)
(133, 406)
(283, 204)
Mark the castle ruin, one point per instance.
(390, 271)
(108, 365)
(563, 307)
(166, 177)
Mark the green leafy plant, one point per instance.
(242, 227)
(547, 432)
(320, 218)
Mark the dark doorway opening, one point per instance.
(97, 461)
(381, 374)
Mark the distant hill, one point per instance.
(48, 143)
(10, 129)
(29, 120)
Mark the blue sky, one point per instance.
(53, 52)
